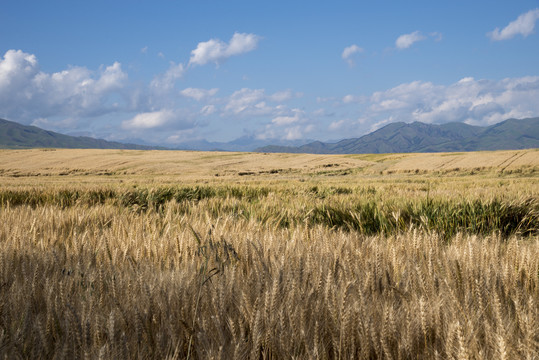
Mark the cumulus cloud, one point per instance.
(255, 102)
(523, 25)
(149, 120)
(291, 125)
(298, 116)
(27, 93)
(245, 99)
(406, 40)
(348, 52)
(473, 101)
(288, 133)
(199, 94)
(481, 102)
(165, 82)
(297, 132)
(112, 78)
(17, 70)
(217, 51)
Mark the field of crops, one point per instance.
(153, 254)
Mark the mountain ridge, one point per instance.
(400, 137)
(241, 144)
(17, 136)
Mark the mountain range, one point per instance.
(397, 137)
(244, 143)
(16, 136)
(402, 137)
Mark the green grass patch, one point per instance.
(352, 209)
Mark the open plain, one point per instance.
(169, 254)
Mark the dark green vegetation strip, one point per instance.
(441, 216)
(140, 198)
(334, 207)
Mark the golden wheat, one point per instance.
(91, 283)
(270, 267)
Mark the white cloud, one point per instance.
(285, 120)
(288, 133)
(217, 51)
(294, 133)
(348, 52)
(208, 110)
(111, 79)
(199, 94)
(407, 40)
(180, 136)
(17, 70)
(298, 116)
(336, 125)
(469, 100)
(349, 99)
(245, 99)
(149, 120)
(254, 102)
(291, 124)
(281, 96)
(382, 123)
(165, 82)
(144, 50)
(480, 102)
(523, 25)
(27, 93)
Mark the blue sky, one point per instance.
(165, 72)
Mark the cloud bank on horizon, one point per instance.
(170, 106)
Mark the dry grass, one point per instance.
(212, 271)
(190, 165)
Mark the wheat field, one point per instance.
(173, 255)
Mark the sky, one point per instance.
(166, 72)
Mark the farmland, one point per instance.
(167, 254)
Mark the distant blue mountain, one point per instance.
(244, 143)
